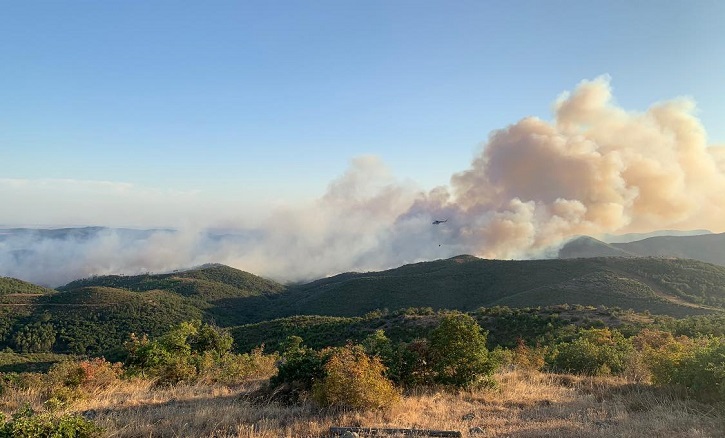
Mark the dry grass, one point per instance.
(523, 405)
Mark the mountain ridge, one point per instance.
(709, 248)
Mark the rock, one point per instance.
(469, 416)
(476, 431)
(349, 434)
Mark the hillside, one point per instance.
(505, 325)
(97, 314)
(207, 282)
(225, 295)
(671, 287)
(709, 248)
(13, 286)
(587, 247)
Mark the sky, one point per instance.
(233, 114)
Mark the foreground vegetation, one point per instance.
(524, 404)
(587, 381)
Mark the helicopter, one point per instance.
(436, 222)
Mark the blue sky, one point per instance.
(255, 103)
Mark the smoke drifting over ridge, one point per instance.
(596, 168)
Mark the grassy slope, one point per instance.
(524, 405)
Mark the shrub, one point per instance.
(458, 350)
(69, 381)
(232, 369)
(188, 352)
(502, 358)
(354, 380)
(176, 369)
(95, 373)
(377, 344)
(526, 358)
(698, 366)
(300, 366)
(27, 424)
(209, 338)
(144, 355)
(593, 352)
(411, 364)
(21, 381)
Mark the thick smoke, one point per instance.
(594, 169)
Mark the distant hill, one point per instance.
(78, 233)
(95, 315)
(13, 286)
(585, 246)
(631, 237)
(208, 282)
(708, 248)
(675, 287)
(226, 295)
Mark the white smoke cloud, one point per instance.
(595, 169)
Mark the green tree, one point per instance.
(187, 350)
(594, 352)
(300, 367)
(34, 338)
(209, 338)
(458, 350)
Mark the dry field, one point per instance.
(524, 405)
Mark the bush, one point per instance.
(21, 381)
(233, 369)
(300, 366)
(526, 358)
(88, 374)
(354, 380)
(26, 424)
(698, 366)
(411, 364)
(593, 352)
(176, 369)
(189, 352)
(69, 381)
(458, 350)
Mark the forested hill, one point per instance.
(667, 286)
(97, 314)
(208, 282)
(13, 286)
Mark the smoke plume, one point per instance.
(595, 168)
